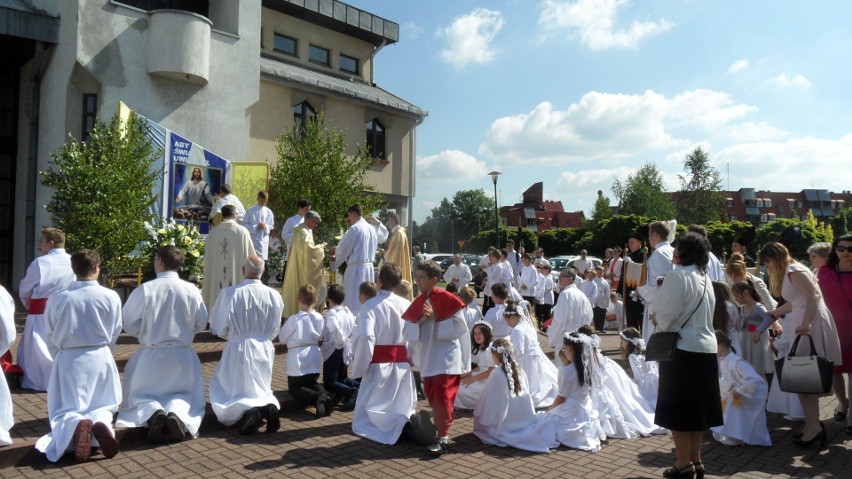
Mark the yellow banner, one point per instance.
(247, 179)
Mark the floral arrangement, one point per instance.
(184, 236)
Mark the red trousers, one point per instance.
(441, 392)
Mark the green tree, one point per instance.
(102, 191)
(642, 193)
(457, 219)
(479, 242)
(842, 223)
(721, 235)
(559, 241)
(798, 247)
(313, 163)
(600, 212)
(700, 198)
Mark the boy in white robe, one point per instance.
(337, 329)
(82, 325)
(7, 337)
(163, 385)
(260, 222)
(386, 397)
(357, 249)
(248, 315)
(499, 328)
(47, 275)
(302, 333)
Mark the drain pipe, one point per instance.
(36, 74)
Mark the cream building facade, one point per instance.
(229, 75)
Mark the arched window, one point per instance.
(301, 113)
(376, 139)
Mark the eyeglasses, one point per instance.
(843, 249)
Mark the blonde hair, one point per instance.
(781, 259)
(736, 266)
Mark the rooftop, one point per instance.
(340, 17)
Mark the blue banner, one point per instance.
(194, 178)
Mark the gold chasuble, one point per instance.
(304, 267)
(225, 251)
(397, 252)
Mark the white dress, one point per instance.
(624, 413)
(164, 373)
(82, 325)
(503, 419)
(540, 372)
(646, 375)
(576, 420)
(248, 315)
(779, 401)
(745, 417)
(469, 394)
(7, 337)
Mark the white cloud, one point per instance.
(748, 132)
(450, 165)
(608, 126)
(411, 29)
(738, 66)
(469, 38)
(596, 24)
(788, 81)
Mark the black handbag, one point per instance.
(804, 374)
(661, 346)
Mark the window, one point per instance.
(792, 204)
(90, 113)
(730, 203)
(833, 205)
(285, 44)
(318, 54)
(301, 113)
(733, 217)
(348, 64)
(376, 139)
(767, 202)
(763, 218)
(800, 205)
(760, 202)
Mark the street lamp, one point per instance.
(494, 174)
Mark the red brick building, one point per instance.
(539, 215)
(762, 206)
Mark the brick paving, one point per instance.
(314, 448)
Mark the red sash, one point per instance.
(390, 354)
(37, 305)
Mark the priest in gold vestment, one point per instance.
(305, 265)
(397, 250)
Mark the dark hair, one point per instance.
(390, 275)
(262, 194)
(526, 256)
(431, 268)
(504, 253)
(833, 259)
(694, 249)
(303, 203)
(721, 317)
(84, 261)
(723, 339)
(225, 188)
(500, 290)
(368, 289)
(336, 294)
(356, 208)
(171, 256)
(697, 229)
(510, 242)
(659, 228)
(632, 333)
(746, 286)
(485, 328)
(54, 234)
(452, 288)
(307, 294)
(577, 357)
(229, 211)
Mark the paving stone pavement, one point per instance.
(310, 447)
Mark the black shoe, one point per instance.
(273, 420)
(156, 426)
(321, 406)
(438, 448)
(699, 470)
(685, 472)
(821, 437)
(252, 423)
(349, 403)
(175, 428)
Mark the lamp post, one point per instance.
(494, 174)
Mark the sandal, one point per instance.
(686, 472)
(699, 470)
(840, 416)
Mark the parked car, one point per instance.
(558, 263)
(472, 261)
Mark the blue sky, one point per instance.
(579, 93)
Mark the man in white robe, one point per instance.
(458, 273)
(387, 397)
(47, 275)
(292, 222)
(225, 250)
(357, 249)
(572, 310)
(260, 221)
(7, 337)
(229, 198)
(82, 325)
(163, 385)
(659, 263)
(248, 315)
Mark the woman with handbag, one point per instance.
(688, 400)
(796, 284)
(835, 282)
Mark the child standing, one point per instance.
(301, 333)
(573, 415)
(338, 326)
(505, 415)
(646, 374)
(743, 398)
(754, 340)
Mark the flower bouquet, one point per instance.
(184, 236)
